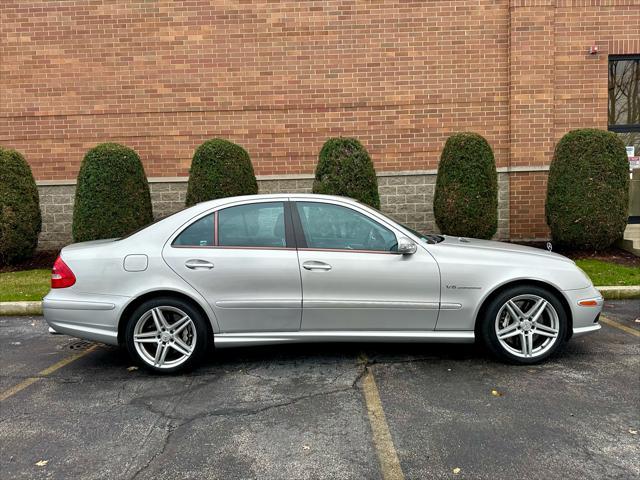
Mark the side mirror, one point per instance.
(406, 246)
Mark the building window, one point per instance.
(624, 98)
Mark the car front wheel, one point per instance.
(524, 324)
(167, 335)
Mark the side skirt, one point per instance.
(272, 338)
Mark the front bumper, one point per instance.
(577, 332)
(585, 317)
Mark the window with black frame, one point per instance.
(624, 99)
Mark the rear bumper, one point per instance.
(95, 318)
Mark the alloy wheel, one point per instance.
(527, 326)
(165, 337)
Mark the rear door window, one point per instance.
(252, 225)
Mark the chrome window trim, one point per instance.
(225, 247)
(347, 250)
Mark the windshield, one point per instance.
(424, 238)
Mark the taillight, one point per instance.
(61, 275)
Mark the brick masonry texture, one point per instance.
(406, 198)
(280, 77)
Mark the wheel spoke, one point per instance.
(545, 334)
(181, 347)
(149, 337)
(514, 310)
(546, 330)
(178, 326)
(526, 340)
(161, 354)
(158, 318)
(147, 334)
(507, 332)
(536, 311)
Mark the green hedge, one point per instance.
(220, 169)
(345, 168)
(466, 197)
(588, 190)
(112, 194)
(20, 219)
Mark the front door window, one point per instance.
(328, 226)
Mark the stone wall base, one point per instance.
(408, 198)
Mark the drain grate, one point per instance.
(79, 345)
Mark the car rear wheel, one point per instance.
(524, 324)
(167, 335)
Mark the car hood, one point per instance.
(474, 243)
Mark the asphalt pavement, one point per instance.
(74, 409)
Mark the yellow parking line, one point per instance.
(389, 462)
(43, 373)
(620, 326)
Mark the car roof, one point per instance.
(267, 196)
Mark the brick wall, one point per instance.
(557, 86)
(281, 77)
(276, 77)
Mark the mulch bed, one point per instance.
(42, 259)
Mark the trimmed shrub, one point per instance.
(112, 194)
(466, 197)
(220, 169)
(588, 190)
(20, 219)
(345, 168)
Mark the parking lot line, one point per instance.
(624, 328)
(43, 373)
(389, 462)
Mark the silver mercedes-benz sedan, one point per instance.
(269, 269)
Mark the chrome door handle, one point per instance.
(196, 264)
(313, 265)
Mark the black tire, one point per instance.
(177, 307)
(487, 326)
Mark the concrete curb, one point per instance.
(20, 308)
(35, 308)
(620, 293)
